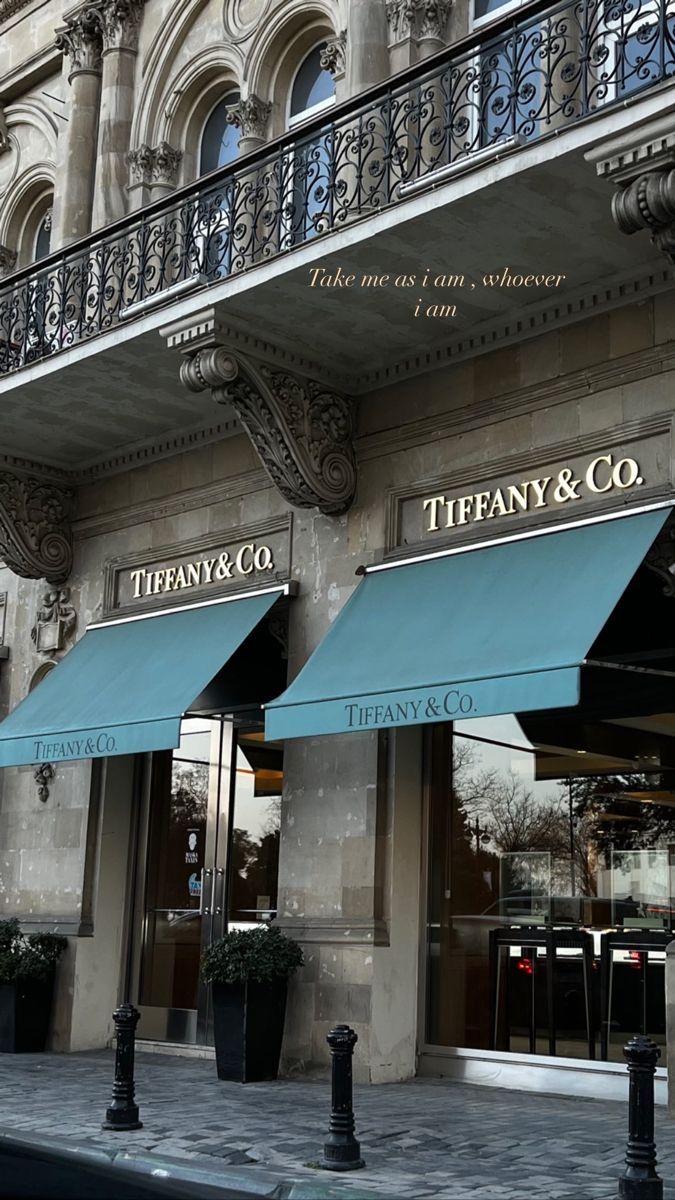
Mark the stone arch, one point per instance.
(270, 67)
(193, 95)
(41, 673)
(177, 91)
(32, 195)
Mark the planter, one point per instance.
(248, 1026)
(25, 1009)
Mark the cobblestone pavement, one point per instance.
(425, 1138)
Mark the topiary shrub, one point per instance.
(27, 956)
(260, 955)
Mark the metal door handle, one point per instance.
(218, 871)
(203, 911)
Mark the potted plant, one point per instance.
(27, 964)
(248, 970)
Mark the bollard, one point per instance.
(640, 1181)
(341, 1151)
(123, 1112)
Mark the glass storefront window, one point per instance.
(551, 881)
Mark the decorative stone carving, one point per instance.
(434, 16)
(119, 22)
(80, 38)
(334, 54)
(55, 621)
(35, 534)
(648, 202)
(8, 8)
(401, 18)
(301, 430)
(43, 777)
(251, 116)
(661, 559)
(159, 165)
(4, 132)
(418, 19)
(7, 260)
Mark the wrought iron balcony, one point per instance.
(526, 78)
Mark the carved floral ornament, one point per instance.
(418, 18)
(158, 165)
(97, 27)
(334, 54)
(35, 534)
(301, 430)
(251, 116)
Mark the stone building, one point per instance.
(337, 342)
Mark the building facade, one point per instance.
(337, 344)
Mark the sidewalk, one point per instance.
(426, 1138)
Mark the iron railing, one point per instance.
(528, 77)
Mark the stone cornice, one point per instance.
(528, 399)
(516, 327)
(204, 496)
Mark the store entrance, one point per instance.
(208, 861)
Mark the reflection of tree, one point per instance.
(189, 793)
(612, 819)
(578, 824)
(255, 866)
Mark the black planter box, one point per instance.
(248, 1026)
(25, 1009)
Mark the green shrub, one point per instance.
(260, 954)
(27, 956)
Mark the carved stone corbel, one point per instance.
(301, 430)
(644, 173)
(35, 534)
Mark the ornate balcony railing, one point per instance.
(526, 78)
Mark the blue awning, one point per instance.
(499, 629)
(126, 684)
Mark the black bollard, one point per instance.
(123, 1112)
(341, 1151)
(640, 1181)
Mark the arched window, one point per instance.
(313, 90)
(43, 237)
(220, 140)
(313, 87)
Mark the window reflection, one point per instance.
(572, 848)
(255, 831)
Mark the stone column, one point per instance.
(153, 173)
(433, 23)
(251, 116)
(120, 21)
(80, 40)
(368, 60)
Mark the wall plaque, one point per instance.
(534, 490)
(214, 565)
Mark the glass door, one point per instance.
(209, 862)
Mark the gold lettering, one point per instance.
(518, 494)
(181, 578)
(193, 574)
(208, 564)
(540, 486)
(137, 578)
(498, 507)
(482, 500)
(591, 480)
(433, 505)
